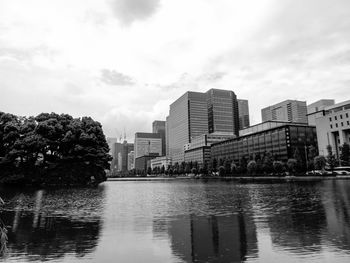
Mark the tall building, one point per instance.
(188, 118)
(167, 136)
(159, 127)
(243, 113)
(315, 110)
(333, 127)
(147, 144)
(131, 164)
(222, 111)
(289, 110)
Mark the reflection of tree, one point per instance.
(49, 225)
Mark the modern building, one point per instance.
(147, 144)
(333, 127)
(167, 136)
(223, 113)
(188, 118)
(288, 111)
(243, 113)
(119, 154)
(159, 127)
(281, 139)
(143, 162)
(199, 149)
(131, 159)
(160, 162)
(196, 113)
(315, 110)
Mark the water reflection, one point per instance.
(46, 225)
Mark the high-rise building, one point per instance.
(333, 127)
(243, 111)
(289, 110)
(222, 111)
(159, 127)
(131, 164)
(188, 118)
(167, 136)
(315, 110)
(147, 144)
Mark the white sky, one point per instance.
(124, 61)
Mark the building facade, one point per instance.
(281, 141)
(160, 162)
(147, 144)
(288, 111)
(223, 113)
(131, 159)
(143, 162)
(159, 127)
(315, 110)
(333, 127)
(243, 113)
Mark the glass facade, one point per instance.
(281, 142)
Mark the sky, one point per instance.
(123, 62)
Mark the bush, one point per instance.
(251, 167)
(222, 171)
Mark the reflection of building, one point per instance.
(281, 139)
(333, 127)
(159, 127)
(289, 111)
(314, 110)
(160, 162)
(243, 110)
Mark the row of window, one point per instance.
(342, 124)
(340, 116)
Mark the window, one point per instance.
(347, 115)
(348, 123)
(336, 125)
(342, 124)
(331, 126)
(330, 118)
(335, 117)
(341, 116)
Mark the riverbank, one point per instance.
(240, 178)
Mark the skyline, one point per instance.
(123, 62)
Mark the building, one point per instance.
(143, 162)
(243, 113)
(159, 127)
(167, 136)
(333, 127)
(147, 144)
(223, 113)
(199, 149)
(196, 113)
(315, 110)
(188, 118)
(131, 164)
(281, 139)
(160, 162)
(288, 111)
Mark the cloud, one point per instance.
(112, 77)
(129, 11)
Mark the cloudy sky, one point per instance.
(124, 61)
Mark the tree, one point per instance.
(331, 159)
(298, 158)
(221, 171)
(243, 165)
(234, 168)
(345, 154)
(149, 170)
(187, 168)
(320, 162)
(214, 164)
(267, 165)
(251, 167)
(292, 166)
(194, 171)
(162, 169)
(227, 166)
(278, 167)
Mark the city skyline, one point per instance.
(123, 63)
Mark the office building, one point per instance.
(143, 162)
(188, 118)
(281, 139)
(243, 113)
(161, 161)
(289, 111)
(333, 127)
(315, 110)
(167, 136)
(223, 113)
(131, 164)
(147, 144)
(159, 127)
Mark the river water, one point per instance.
(180, 221)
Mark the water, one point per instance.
(181, 221)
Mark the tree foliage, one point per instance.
(345, 154)
(52, 149)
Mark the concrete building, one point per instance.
(281, 139)
(289, 111)
(315, 110)
(223, 113)
(188, 118)
(131, 159)
(243, 113)
(333, 127)
(143, 162)
(160, 162)
(147, 144)
(159, 127)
